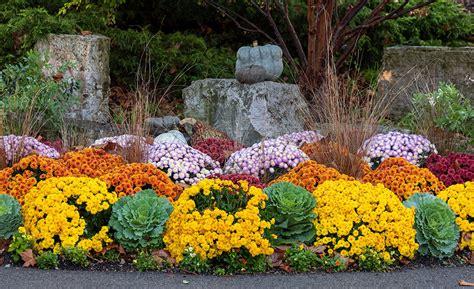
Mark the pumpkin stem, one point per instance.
(255, 43)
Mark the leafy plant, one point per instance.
(371, 260)
(19, 244)
(47, 260)
(292, 208)
(301, 260)
(436, 230)
(193, 263)
(10, 216)
(139, 220)
(112, 256)
(76, 256)
(332, 263)
(145, 262)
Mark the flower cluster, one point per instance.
(203, 131)
(22, 176)
(455, 168)
(182, 163)
(300, 138)
(460, 198)
(310, 175)
(412, 147)
(353, 217)
(58, 212)
(91, 162)
(235, 178)
(218, 149)
(404, 178)
(21, 146)
(265, 160)
(123, 141)
(212, 226)
(132, 178)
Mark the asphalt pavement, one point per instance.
(408, 278)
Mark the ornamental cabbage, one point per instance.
(139, 220)
(10, 216)
(436, 230)
(292, 208)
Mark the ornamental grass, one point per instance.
(310, 175)
(404, 178)
(22, 176)
(460, 198)
(218, 216)
(455, 168)
(91, 162)
(354, 217)
(132, 178)
(67, 212)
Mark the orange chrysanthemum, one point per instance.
(404, 178)
(22, 176)
(132, 178)
(91, 162)
(310, 174)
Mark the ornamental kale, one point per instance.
(10, 216)
(436, 230)
(292, 208)
(139, 220)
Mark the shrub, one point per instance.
(131, 178)
(235, 178)
(76, 256)
(353, 216)
(182, 163)
(436, 232)
(47, 260)
(10, 216)
(139, 220)
(68, 212)
(292, 208)
(414, 148)
(217, 216)
(22, 176)
(455, 168)
(403, 178)
(265, 160)
(218, 149)
(91, 162)
(310, 175)
(145, 262)
(461, 199)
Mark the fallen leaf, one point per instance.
(464, 283)
(85, 33)
(317, 250)
(285, 267)
(161, 255)
(28, 257)
(387, 75)
(471, 259)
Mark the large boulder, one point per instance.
(411, 69)
(88, 58)
(248, 113)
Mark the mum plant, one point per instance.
(436, 232)
(17, 147)
(139, 220)
(218, 149)
(67, 212)
(132, 178)
(292, 209)
(414, 148)
(353, 216)
(460, 198)
(91, 162)
(404, 178)
(235, 178)
(455, 168)
(300, 138)
(182, 163)
(214, 217)
(10, 216)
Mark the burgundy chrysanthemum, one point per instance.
(218, 149)
(253, 181)
(455, 168)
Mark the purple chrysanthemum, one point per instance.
(23, 146)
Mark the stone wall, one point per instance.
(411, 69)
(89, 56)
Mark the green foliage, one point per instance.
(193, 263)
(436, 230)
(112, 256)
(10, 216)
(19, 244)
(139, 220)
(240, 261)
(292, 208)
(301, 260)
(27, 94)
(444, 108)
(47, 260)
(145, 262)
(106, 7)
(76, 256)
(332, 263)
(371, 260)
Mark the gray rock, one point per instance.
(247, 113)
(159, 125)
(411, 69)
(171, 136)
(89, 56)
